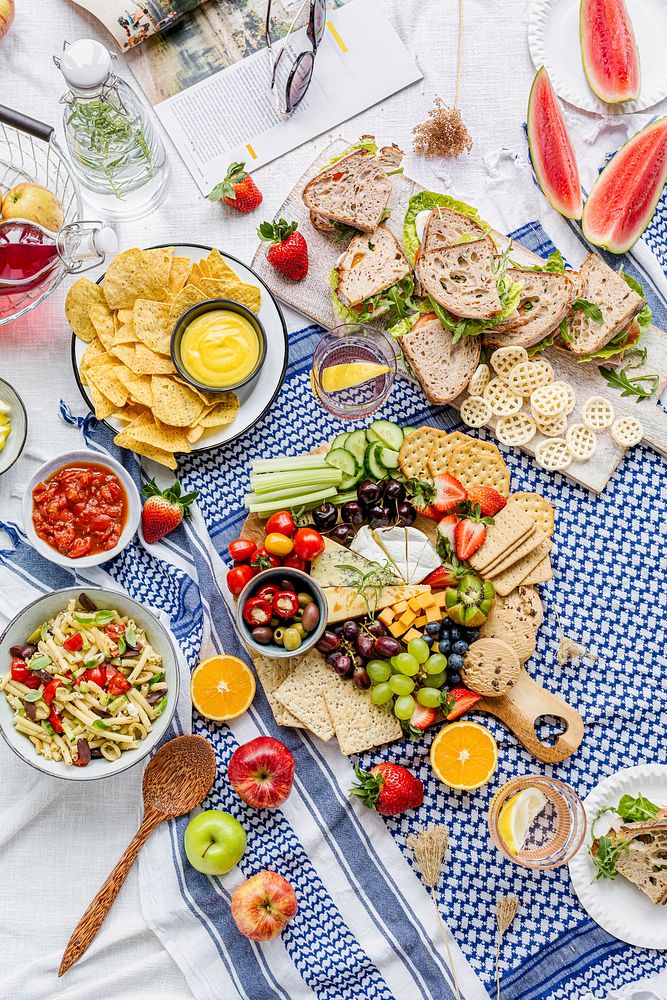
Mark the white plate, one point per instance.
(256, 397)
(553, 38)
(615, 904)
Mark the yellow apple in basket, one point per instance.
(6, 16)
(33, 202)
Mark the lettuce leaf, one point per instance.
(427, 200)
(542, 345)
(396, 301)
(554, 264)
(368, 144)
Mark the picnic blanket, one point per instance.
(365, 926)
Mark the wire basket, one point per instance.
(29, 152)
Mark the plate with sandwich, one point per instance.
(620, 873)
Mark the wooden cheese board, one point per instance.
(312, 298)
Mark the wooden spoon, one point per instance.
(177, 779)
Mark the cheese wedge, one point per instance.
(345, 602)
(326, 569)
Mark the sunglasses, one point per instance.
(293, 66)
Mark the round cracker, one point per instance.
(512, 627)
(539, 509)
(490, 667)
(480, 463)
(442, 450)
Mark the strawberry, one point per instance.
(447, 575)
(487, 499)
(388, 788)
(420, 494)
(448, 492)
(457, 701)
(469, 534)
(446, 530)
(287, 250)
(238, 190)
(164, 510)
(423, 717)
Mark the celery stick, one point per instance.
(287, 493)
(286, 463)
(267, 482)
(270, 506)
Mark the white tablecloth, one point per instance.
(52, 866)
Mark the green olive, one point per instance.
(304, 599)
(298, 627)
(279, 636)
(275, 622)
(291, 639)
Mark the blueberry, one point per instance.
(460, 647)
(472, 634)
(455, 633)
(446, 625)
(429, 640)
(444, 646)
(433, 628)
(455, 661)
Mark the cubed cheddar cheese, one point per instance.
(412, 634)
(397, 629)
(400, 607)
(387, 616)
(425, 600)
(433, 615)
(414, 604)
(420, 622)
(440, 599)
(407, 618)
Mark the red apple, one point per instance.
(263, 904)
(261, 772)
(6, 16)
(33, 202)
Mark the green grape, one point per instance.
(400, 684)
(437, 680)
(404, 707)
(435, 664)
(381, 694)
(394, 665)
(419, 649)
(407, 664)
(378, 671)
(428, 696)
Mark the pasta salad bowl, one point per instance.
(89, 683)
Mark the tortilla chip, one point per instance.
(130, 277)
(151, 322)
(124, 315)
(173, 403)
(187, 298)
(128, 413)
(125, 353)
(222, 412)
(102, 320)
(194, 433)
(125, 335)
(160, 260)
(147, 430)
(102, 406)
(147, 362)
(139, 388)
(234, 289)
(218, 266)
(179, 273)
(106, 382)
(196, 277)
(95, 349)
(81, 296)
(147, 450)
(204, 269)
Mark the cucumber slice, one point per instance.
(389, 435)
(408, 430)
(374, 466)
(356, 443)
(389, 458)
(339, 440)
(339, 458)
(371, 436)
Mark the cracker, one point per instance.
(542, 573)
(443, 448)
(490, 667)
(272, 672)
(179, 274)
(479, 381)
(130, 276)
(516, 429)
(553, 454)
(552, 428)
(528, 545)
(504, 359)
(539, 509)
(359, 724)
(510, 526)
(581, 442)
(528, 376)
(479, 463)
(501, 399)
(517, 573)
(160, 261)
(597, 413)
(414, 453)
(627, 431)
(302, 693)
(475, 411)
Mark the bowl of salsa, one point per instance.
(81, 509)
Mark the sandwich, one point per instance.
(372, 277)
(608, 316)
(639, 851)
(443, 368)
(449, 220)
(352, 191)
(461, 278)
(544, 302)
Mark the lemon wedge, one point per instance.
(335, 378)
(518, 815)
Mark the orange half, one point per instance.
(464, 755)
(222, 687)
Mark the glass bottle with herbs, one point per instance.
(116, 152)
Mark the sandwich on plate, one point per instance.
(634, 846)
(372, 277)
(352, 191)
(544, 302)
(442, 367)
(608, 316)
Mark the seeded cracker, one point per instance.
(302, 693)
(272, 672)
(359, 724)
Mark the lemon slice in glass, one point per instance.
(335, 378)
(518, 815)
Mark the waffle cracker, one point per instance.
(627, 431)
(442, 451)
(475, 411)
(510, 526)
(415, 451)
(528, 545)
(517, 573)
(480, 463)
(539, 509)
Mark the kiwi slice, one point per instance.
(469, 603)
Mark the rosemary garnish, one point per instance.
(372, 582)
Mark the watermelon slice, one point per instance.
(623, 199)
(609, 50)
(551, 149)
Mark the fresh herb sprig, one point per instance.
(640, 386)
(371, 583)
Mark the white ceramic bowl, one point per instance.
(133, 514)
(47, 607)
(16, 441)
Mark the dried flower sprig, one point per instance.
(430, 846)
(507, 908)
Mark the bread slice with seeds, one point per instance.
(618, 303)
(545, 301)
(462, 278)
(443, 369)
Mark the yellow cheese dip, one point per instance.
(220, 348)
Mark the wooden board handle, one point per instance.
(92, 920)
(523, 706)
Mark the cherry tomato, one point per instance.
(111, 630)
(285, 603)
(257, 611)
(277, 544)
(308, 543)
(293, 561)
(263, 559)
(76, 641)
(242, 549)
(49, 692)
(238, 577)
(54, 719)
(21, 673)
(97, 675)
(267, 591)
(282, 522)
(118, 684)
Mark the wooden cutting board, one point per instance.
(312, 298)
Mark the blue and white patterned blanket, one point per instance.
(365, 926)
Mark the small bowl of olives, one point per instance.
(281, 612)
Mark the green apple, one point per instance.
(214, 842)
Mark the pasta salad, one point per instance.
(85, 684)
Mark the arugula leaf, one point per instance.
(590, 309)
(547, 341)
(426, 200)
(605, 859)
(395, 300)
(631, 386)
(634, 809)
(631, 282)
